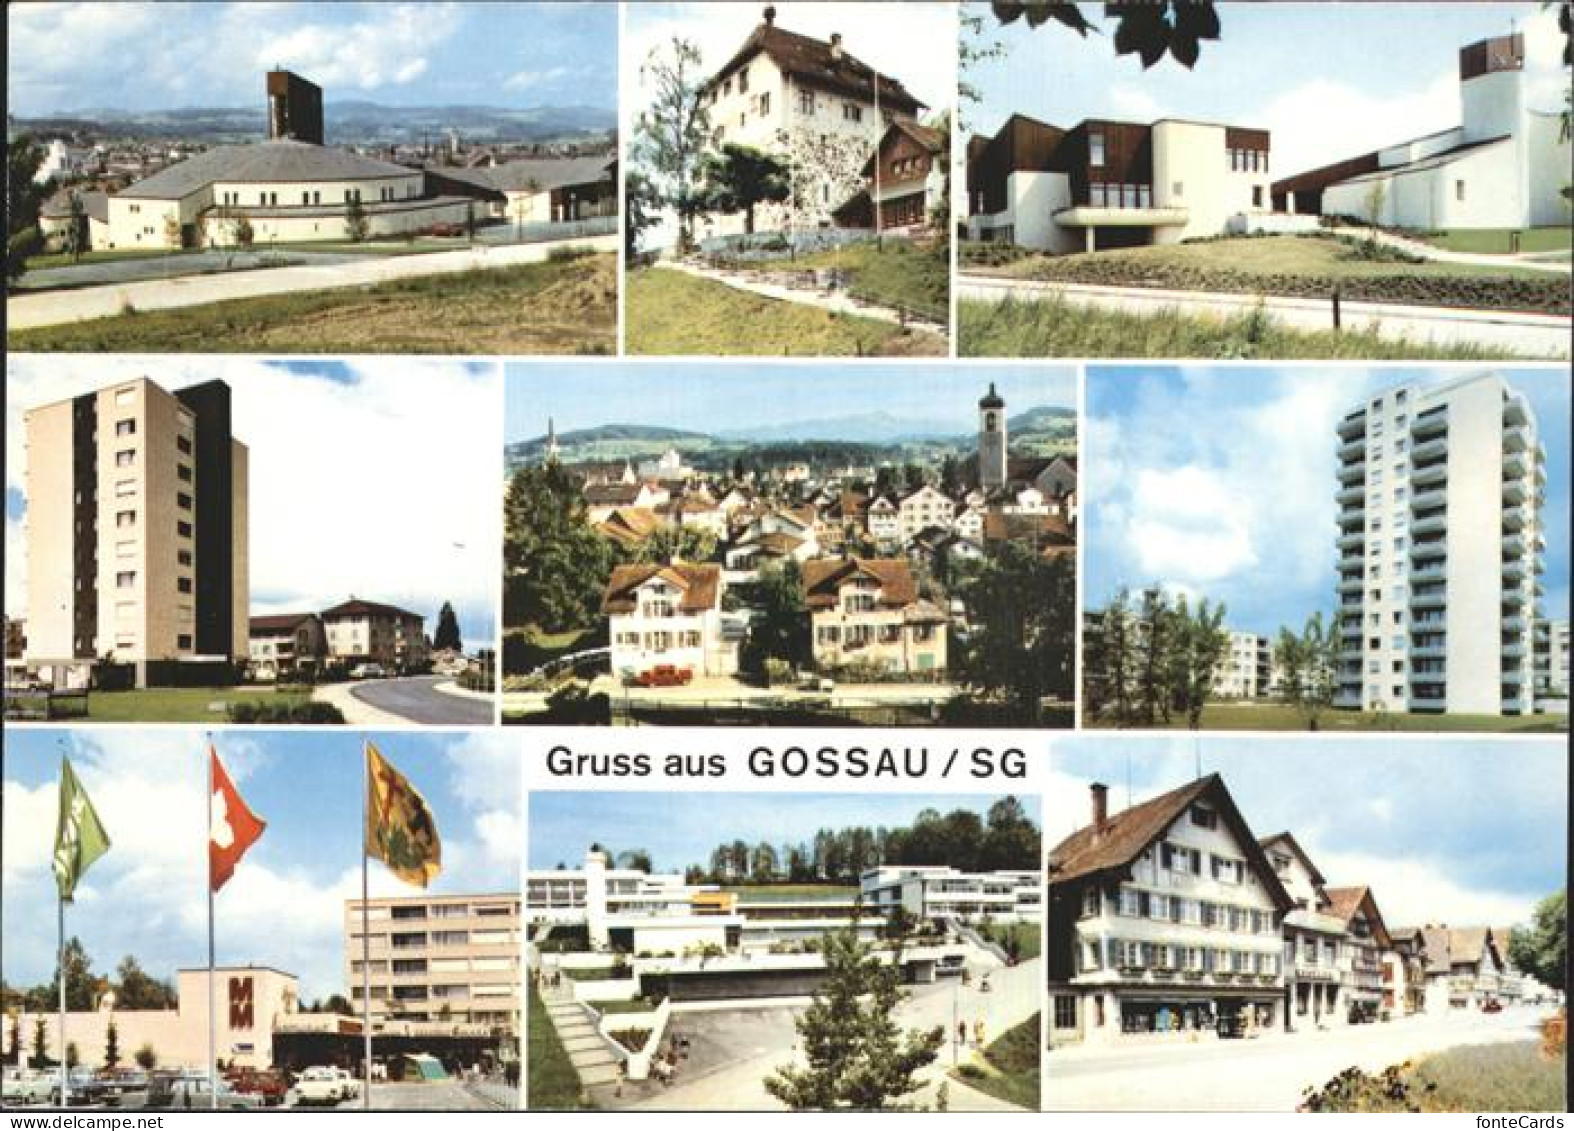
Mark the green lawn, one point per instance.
(551, 1084)
(1057, 328)
(179, 704)
(771, 893)
(1514, 1076)
(1011, 1067)
(1274, 716)
(564, 306)
(1302, 256)
(899, 274)
(1029, 938)
(1498, 241)
(669, 312)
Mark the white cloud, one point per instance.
(528, 80)
(1136, 103)
(1416, 890)
(1186, 525)
(375, 487)
(1321, 121)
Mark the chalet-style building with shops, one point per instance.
(1164, 922)
(816, 106)
(1365, 941)
(1106, 184)
(1503, 166)
(905, 176)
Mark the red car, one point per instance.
(270, 1086)
(664, 675)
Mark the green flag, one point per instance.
(80, 838)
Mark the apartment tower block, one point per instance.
(1440, 549)
(136, 534)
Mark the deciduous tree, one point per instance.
(1542, 951)
(741, 178)
(672, 131)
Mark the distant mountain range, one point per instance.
(350, 122)
(869, 436)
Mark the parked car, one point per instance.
(270, 1087)
(27, 1086)
(194, 1093)
(368, 671)
(664, 675)
(1492, 1005)
(319, 1085)
(351, 1084)
(820, 683)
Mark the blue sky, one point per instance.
(1327, 79)
(714, 397)
(285, 905)
(1237, 503)
(1445, 830)
(68, 57)
(680, 829)
(356, 477)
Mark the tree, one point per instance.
(146, 1057)
(1012, 842)
(73, 1054)
(857, 1057)
(447, 635)
(77, 229)
(762, 863)
(356, 226)
(671, 133)
(1153, 658)
(972, 49)
(1022, 607)
(677, 543)
(339, 1004)
(637, 859)
(641, 208)
(13, 1047)
(137, 990)
(1109, 660)
(741, 178)
(111, 1045)
(780, 630)
(40, 1058)
(174, 231)
(242, 231)
(1372, 203)
(24, 197)
(1542, 951)
(81, 987)
(940, 213)
(1199, 647)
(1149, 29)
(556, 565)
(1309, 663)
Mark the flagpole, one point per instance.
(213, 1058)
(366, 942)
(65, 1083)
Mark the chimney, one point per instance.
(1100, 794)
(836, 45)
(770, 15)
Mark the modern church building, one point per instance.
(1503, 166)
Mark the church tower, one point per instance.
(553, 451)
(991, 440)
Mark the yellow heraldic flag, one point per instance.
(400, 830)
(80, 838)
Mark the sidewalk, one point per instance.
(357, 712)
(835, 302)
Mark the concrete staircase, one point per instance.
(599, 1070)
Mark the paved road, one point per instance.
(1265, 1074)
(56, 307)
(733, 1051)
(1531, 335)
(417, 700)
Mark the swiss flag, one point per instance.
(232, 828)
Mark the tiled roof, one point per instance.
(822, 578)
(537, 174)
(1294, 846)
(612, 494)
(278, 622)
(629, 525)
(812, 61)
(1090, 851)
(95, 205)
(355, 607)
(700, 585)
(1343, 903)
(1051, 529)
(263, 162)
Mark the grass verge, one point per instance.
(181, 704)
(551, 1083)
(1275, 716)
(1057, 328)
(1010, 1068)
(669, 312)
(565, 306)
(1513, 1076)
(768, 893)
(1500, 241)
(899, 274)
(1023, 941)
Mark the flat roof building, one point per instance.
(137, 533)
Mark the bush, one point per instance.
(309, 711)
(569, 251)
(631, 1039)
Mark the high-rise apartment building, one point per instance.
(136, 534)
(1440, 548)
(450, 958)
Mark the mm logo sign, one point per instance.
(242, 1013)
